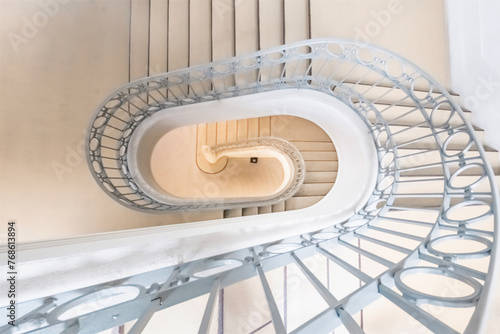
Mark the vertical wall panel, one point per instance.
(200, 27)
(297, 28)
(178, 35)
(158, 44)
(221, 132)
(247, 26)
(296, 20)
(271, 23)
(223, 29)
(139, 39)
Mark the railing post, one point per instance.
(279, 327)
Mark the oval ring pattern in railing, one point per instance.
(439, 147)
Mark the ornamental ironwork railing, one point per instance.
(435, 194)
(288, 150)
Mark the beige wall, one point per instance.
(54, 75)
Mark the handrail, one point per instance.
(299, 168)
(362, 77)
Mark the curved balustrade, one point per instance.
(414, 223)
(283, 148)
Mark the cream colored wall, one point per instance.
(54, 75)
(50, 86)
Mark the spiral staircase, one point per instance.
(417, 255)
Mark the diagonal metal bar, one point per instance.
(207, 316)
(426, 319)
(323, 291)
(383, 243)
(399, 234)
(368, 254)
(353, 270)
(406, 221)
(279, 327)
(350, 324)
(143, 321)
(457, 267)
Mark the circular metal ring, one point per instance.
(321, 236)
(282, 248)
(79, 304)
(467, 220)
(385, 183)
(438, 112)
(387, 160)
(463, 169)
(462, 255)
(375, 206)
(460, 151)
(354, 223)
(424, 94)
(215, 267)
(433, 299)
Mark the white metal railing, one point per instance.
(392, 97)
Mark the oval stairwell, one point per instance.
(414, 246)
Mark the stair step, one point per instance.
(320, 177)
(407, 116)
(438, 171)
(231, 213)
(434, 157)
(250, 211)
(314, 189)
(388, 95)
(279, 207)
(319, 155)
(221, 132)
(412, 138)
(253, 127)
(211, 134)
(414, 202)
(232, 131)
(313, 146)
(423, 185)
(242, 129)
(301, 202)
(321, 166)
(265, 126)
(265, 209)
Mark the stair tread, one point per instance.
(278, 207)
(319, 155)
(250, 211)
(321, 166)
(231, 213)
(265, 209)
(314, 189)
(313, 146)
(301, 202)
(320, 177)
